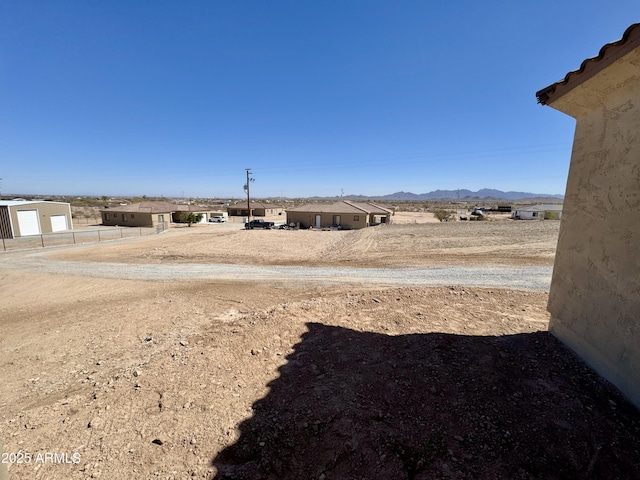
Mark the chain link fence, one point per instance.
(78, 237)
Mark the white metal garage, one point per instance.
(58, 223)
(28, 222)
(33, 217)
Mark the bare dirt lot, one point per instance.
(295, 380)
(490, 242)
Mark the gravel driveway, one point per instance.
(498, 276)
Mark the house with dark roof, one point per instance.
(594, 298)
(152, 214)
(343, 214)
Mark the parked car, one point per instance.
(218, 219)
(258, 224)
(290, 226)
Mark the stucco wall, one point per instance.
(135, 219)
(594, 299)
(274, 211)
(308, 219)
(240, 211)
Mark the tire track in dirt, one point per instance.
(517, 277)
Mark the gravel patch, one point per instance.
(516, 277)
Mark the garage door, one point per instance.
(28, 222)
(58, 223)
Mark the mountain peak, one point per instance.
(483, 193)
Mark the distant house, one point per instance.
(594, 298)
(258, 209)
(343, 214)
(20, 218)
(151, 214)
(538, 212)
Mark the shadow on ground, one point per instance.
(354, 405)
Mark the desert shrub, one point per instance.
(443, 215)
(189, 217)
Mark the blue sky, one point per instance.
(177, 98)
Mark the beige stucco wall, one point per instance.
(240, 211)
(145, 219)
(308, 219)
(274, 211)
(45, 211)
(135, 219)
(594, 299)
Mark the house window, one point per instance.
(106, 217)
(161, 218)
(534, 214)
(124, 217)
(132, 215)
(356, 218)
(336, 219)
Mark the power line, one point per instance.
(246, 187)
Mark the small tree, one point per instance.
(189, 218)
(443, 215)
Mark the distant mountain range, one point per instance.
(462, 194)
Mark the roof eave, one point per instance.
(608, 54)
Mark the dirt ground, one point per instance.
(420, 244)
(126, 379)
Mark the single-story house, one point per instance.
(538, 212)
(20, 218)
(593, 299)
(152, 214)
(258, 209)
(345, 214)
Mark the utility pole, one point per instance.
(246, 187)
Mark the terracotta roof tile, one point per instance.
(608, 54)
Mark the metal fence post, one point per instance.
(98, 235)
(42, 240)
(74, 237)
(120, 233)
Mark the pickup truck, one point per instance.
(259, 224)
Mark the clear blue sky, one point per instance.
(317, 97)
